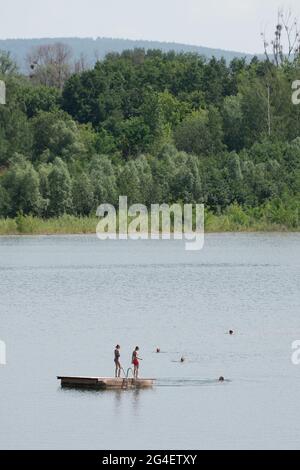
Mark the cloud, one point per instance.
(227, 24)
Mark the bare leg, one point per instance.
(118, 370)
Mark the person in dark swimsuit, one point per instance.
(136, 362)
(117, 361)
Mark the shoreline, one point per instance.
(73, 225)
(87, 226)
(90, 234)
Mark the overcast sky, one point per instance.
(226, 24)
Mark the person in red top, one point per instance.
(136, 362)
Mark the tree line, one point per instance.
(157, 127)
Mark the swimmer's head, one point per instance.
(221, 379)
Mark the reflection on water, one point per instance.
(190, 382)
(67, 301)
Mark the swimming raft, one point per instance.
(105, 383)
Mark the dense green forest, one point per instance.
(157, 127)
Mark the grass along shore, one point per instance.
(234, 219)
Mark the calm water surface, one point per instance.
(66, 301)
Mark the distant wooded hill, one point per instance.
(95, 49)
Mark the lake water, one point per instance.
(66, 301)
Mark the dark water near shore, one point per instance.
(66, 301)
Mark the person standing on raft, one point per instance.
(117, 361)
(136, 362)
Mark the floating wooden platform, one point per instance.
(105, 383)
